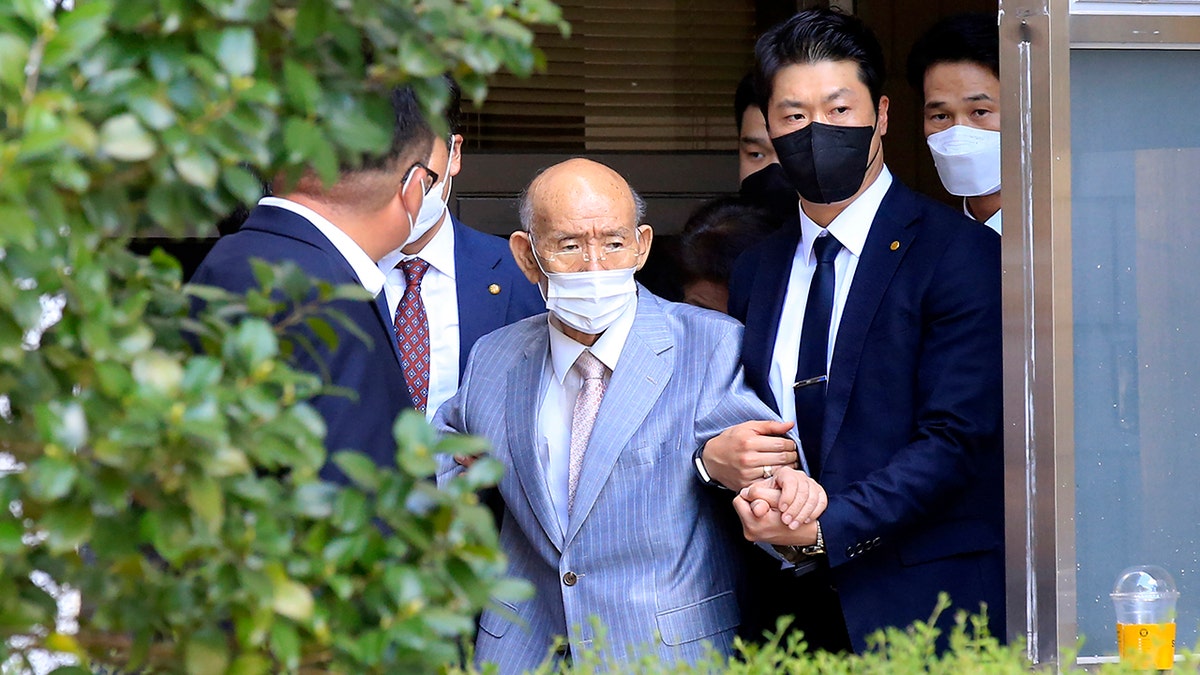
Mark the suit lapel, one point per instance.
(479, 310)
(887, 243)
(389, 326)
(524, 398)
(766, 305)
(641, 375)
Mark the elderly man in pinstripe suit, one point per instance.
(598, 411)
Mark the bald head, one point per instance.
(579, 185)
(579, 205)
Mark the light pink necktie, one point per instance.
(587, 404)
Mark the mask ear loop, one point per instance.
(412, 222)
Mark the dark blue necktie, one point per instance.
(814, 352)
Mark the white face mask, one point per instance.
(967, 160)
(434, 205)
(589, 301)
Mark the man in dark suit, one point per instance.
(468, 285)
(337, 234)
(873, 321)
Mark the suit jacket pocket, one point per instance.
(645, 453)
(496, 621)
(698, 620)
(956, 537)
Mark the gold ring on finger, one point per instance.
(767, 471)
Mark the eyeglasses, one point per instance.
(430, 176)
(573, 256)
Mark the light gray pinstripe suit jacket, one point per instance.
(652, 547)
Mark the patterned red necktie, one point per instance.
(412, 333)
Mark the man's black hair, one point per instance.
(971, 38)
(411, 135)
(816, 35)
(743, 98)
(715, 234)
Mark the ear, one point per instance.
(645, 238)
(412, 193)
(456, 156)
(883, 115)
(522, 251)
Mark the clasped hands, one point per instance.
(777, 503)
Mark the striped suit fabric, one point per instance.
(649, 551)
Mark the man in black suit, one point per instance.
(337, 234)
(469, 283)
(873, 321)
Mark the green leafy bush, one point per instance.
(177, 492)
(893, 651)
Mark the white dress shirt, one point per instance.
(367, 271)
(993, 222)
(558, 406)
(439, 294)
(850, 227)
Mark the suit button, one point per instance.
(570, 578)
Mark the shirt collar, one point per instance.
(564, 351)
(364, 268)
(438, 252)
(851, 225)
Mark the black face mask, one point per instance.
(769, 188)
(826, 163)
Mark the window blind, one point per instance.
(635, 75)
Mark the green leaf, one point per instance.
(198, 168)
(360, 129)
(254, 341)
(251, 11)
(315, 500)
(158, 372)
(67, 526)
(153, 112)
(201, 373)
(78, 31)
(250, 664)
(311, 19)
(122, 137)
(484, 472)
(351, 511)
(301, 88)
(235, 49)
(511, 590)
(206, 653)
(204, 497)
(292, 600)
(416, 58)
(447, 623)
(324, 332)
(51, 478)
(359, 468)
(35, 12)
(14, 54)
(18, 228)
(11, 532)
(414, 441)
(243, 185)
(285, 643)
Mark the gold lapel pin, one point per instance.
(494, 289)
(895, 245)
